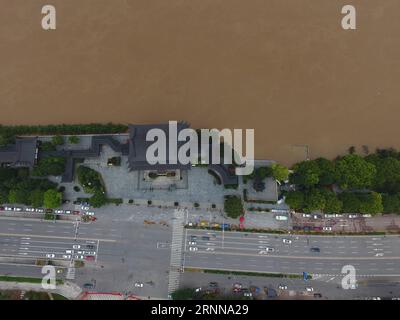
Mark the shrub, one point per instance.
(77, 189)
(57, 140)
(73, 139)
(233, 206)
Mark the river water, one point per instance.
(283, 67)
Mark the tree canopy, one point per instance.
(354, 172)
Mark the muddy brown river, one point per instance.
(283, 67)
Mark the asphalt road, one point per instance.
(369, 255)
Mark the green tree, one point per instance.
(332, 203)
(50, 166)
(371, 203)
(306, 173)
(52, 199)
(18, 196)
(351, 202)
(98, 199)
(57, 140)
(36, 198)
(326, 171)
(233, 206)
(314, 200)
(279, 172)
(73, 139)
(387, 178)
(354, 172)
(391, 203)
(295, 200)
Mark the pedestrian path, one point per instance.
(176, 250)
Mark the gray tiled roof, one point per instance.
(21, 154)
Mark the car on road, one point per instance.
(76, 246)
(210, 249)
(193, 248)
(327, 228)
(138, 285)
(353, 216)
(266, 251)
(197, 290)
(317, 295)
(309, 289)
(193, 238)
(79, 252)
(66, 256)
(286, 241)
(213, 284)
(50, 255)
(282, 287)
(379, 254)
(306, 215)
(88, 286)
(205, 238)
(269, 249)
(79, 257)
(315, 249)
(192, 243)
(69, 251)
(90, 246)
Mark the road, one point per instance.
(371, 256)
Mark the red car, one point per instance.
(76, 212)
(1, 208)
(89, 258)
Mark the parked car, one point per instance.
(17, 209)
(66, 256)
(205, 238)
(353, 216)
(193, 248)
(88, 286)
(90, 246)
(58, 211)
(49, 210)
(76, 246)
(210, 249)
(39, 210)
(193, 238)
(327, 228)
(50, 255)
(8, 209)
(67, 211)
(76, 212)
(138, 285)
(1, 208)
(78, 257)
(281, 218)
(286, 241)
(317, 295)
(328, 215)
(192, 243)
(317, 216)
(213, 284)
(315, 249)
(306, 215)
(282, 287)
(90, 213)
(90, 258)
(367, 216)
(309, 289)
(69, 251)
(89, 253)
(338, 215)
(29, 209)
(85, 208)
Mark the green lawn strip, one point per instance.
(26, 279)
(248, 273)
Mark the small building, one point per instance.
(23, 153)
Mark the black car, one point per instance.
(213, 284)
(315, 249)
(88, 286)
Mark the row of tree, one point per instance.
(369, 184)
(17, 187)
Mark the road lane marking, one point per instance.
(53, 237)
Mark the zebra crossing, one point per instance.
(176, 251)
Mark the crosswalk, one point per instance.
(70, 272)
(176, 251)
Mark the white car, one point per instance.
(352, 216)
(379, 254)
(85, 208)
(17, 209)
(40, 210)
(78, 257)
(281, 218)
(192, 243)
(327, 228)
(8, 209)
(68, 212)
(50, 255)
(268, 249)
(367, 216)
(306, 215)
(247, 294)
(66, 256)
(30, 209)
(210, 249)
(80, 252)
(282, 287)
(69, 251)
(138, 285)
(193, 248)
(286, 241)
(309, 289)
(337, 215)
(89, 253)
(90, 213)
(327, 215)
(76, 246)
(58, 211)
